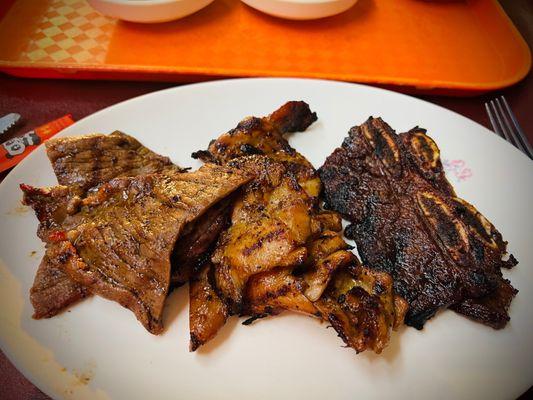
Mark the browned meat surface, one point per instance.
(270, 224)
(325, 255)
(260, 135)
(88, 161)
(117, 241)
(407, 221)
(83, 163)
(193, 247)
(207, 312)
(360, 304)
(280, 251)
(491, 310)
(52, 289)
(270, 293)
(488, 247)
(266, 136)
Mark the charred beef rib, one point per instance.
(280, 251)
(407, 221)
(82, 163)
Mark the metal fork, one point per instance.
(501, 116)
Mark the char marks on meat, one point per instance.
(52, 289)
(270, 225)
(265, 135)
(408, 222)
(193, 247)
(207, 312)
(280, 251)
(117, 242)
(88, 161)
(81, 164)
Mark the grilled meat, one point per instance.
(272, 292)
(270, 225)
(88, 161)
(263, 136)
(281, 252)
(488, 247)
(360, 304)
(52, 289)
(194, 245)
(266, 136)
(117, 241)
(407, 221)
(82, 163)
(492, 309)
(207, 312)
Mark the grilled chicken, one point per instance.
(117, 240)
(360, 304)
(408, 222)
(281, 252)
(270, 225)
(272, 292)
(266, 136)
(207, 312)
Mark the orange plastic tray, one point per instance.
(462, 47)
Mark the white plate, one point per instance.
(289, 356)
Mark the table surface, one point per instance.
(40, 101)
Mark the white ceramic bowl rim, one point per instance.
(144, 3)
(150, 2)
(308, 2)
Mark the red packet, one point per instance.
(14, 150)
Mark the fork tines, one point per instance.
(505, 124)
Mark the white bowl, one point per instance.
(301, 9)
(148, 10)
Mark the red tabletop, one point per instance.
(40, 101)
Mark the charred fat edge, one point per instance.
(380, 137)
(425, 151)
(477, 223)
(318, 279)
(449, 230)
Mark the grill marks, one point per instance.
(280, 251)
(448, 230)
(53, 289)
(208, 313)
(269, 226)
(88, 161)
(407, 220)
(81, 164)
(266, 136)
(260, 135)
(125, 232)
